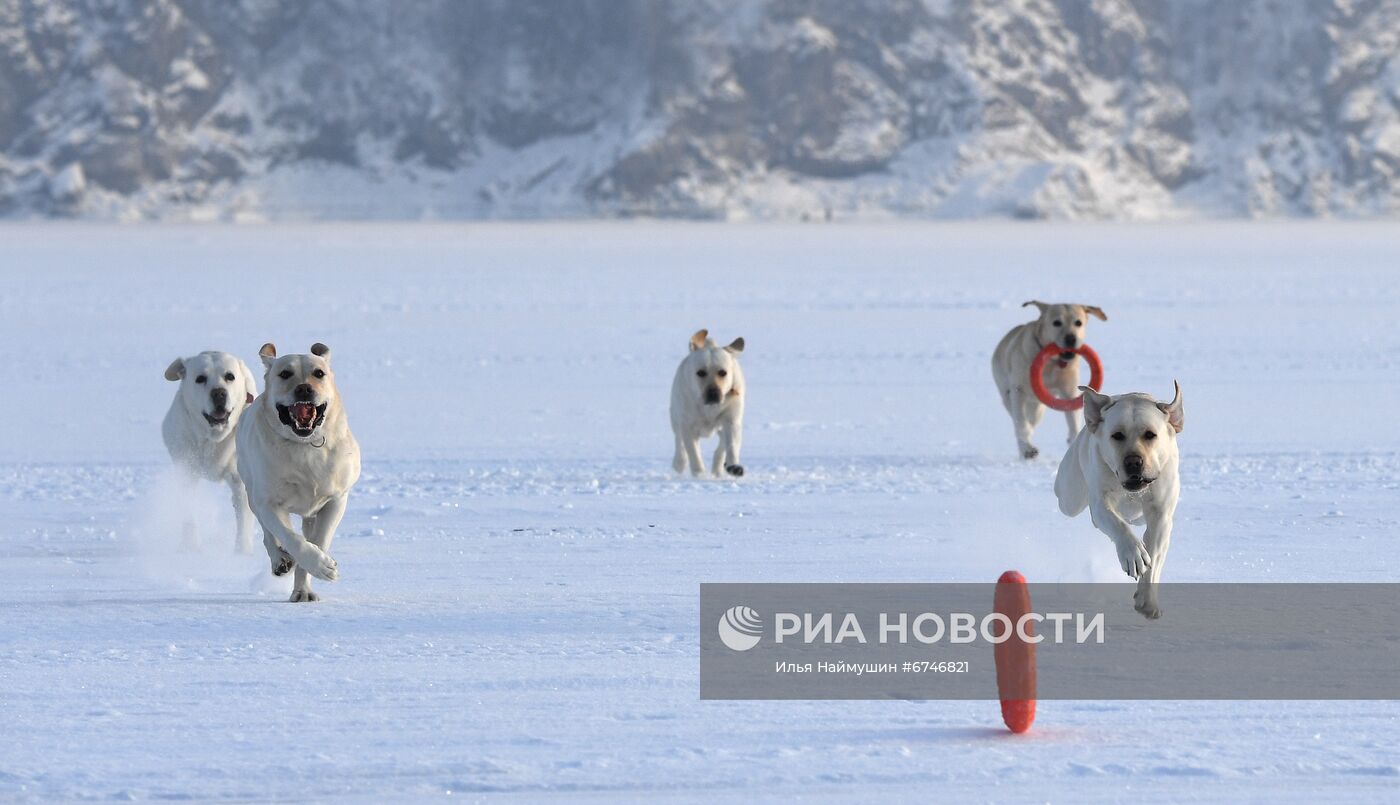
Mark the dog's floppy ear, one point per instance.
(1096, 312)
(735, 347)
(175, 370)
(1039, 305)
(321, 351)
(1094, 406)
(1176, 414)
(268, 353)
(698, 340)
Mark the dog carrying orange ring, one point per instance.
(1038, 376)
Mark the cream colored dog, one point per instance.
(1011, 366)
(297, 456)
(215, 388)
(1123, 468)
(707, 395)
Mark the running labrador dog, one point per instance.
(708, 395)
(297, 456)
(1123, 468)
(1011, 366)
(215, 388)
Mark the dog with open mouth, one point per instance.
(707, 395)
(1061, 324)
(1123, 468)
(215, 389)
(297, 456)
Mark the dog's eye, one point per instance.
(319, 373)
(1058, 323)
(1149, 435)
(722, 373)
(1078, 323)
(228, 376)
(700, 373)
(285, 373)
(200, 379)
(1118, 436)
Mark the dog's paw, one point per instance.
(1029, 453)
(1145, 602)
(315, 561)
(734, 469)
(300, 596)
(282, 564)
(1133, 558)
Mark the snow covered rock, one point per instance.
(68, 185)
(705, 108)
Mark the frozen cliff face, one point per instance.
(702, 108)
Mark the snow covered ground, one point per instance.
(520, 571)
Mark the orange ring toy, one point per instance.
(1038, 376)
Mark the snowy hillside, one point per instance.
(1123, 109)
(520, 571)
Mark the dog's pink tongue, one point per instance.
(303, 412)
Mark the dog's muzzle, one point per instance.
(712, 395)
(1137, 483)
(218, 418)
(302, 417)
(1133, 465)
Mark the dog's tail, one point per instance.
(1070, 486)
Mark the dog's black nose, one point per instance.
(1133, 464)
(304, 393)
(712, 396)
(219, 397)
(1071, 340)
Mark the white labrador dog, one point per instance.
(297, 456)
(1011, 366)
(1123, 468)
(707, 395)
(215, 388)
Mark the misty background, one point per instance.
(749, 109)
